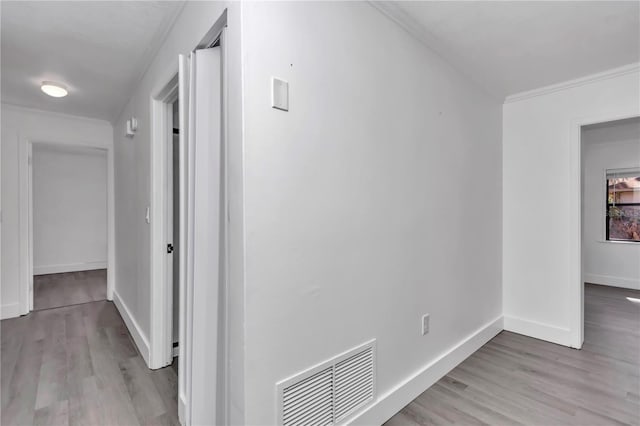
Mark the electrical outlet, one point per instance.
(425, 324)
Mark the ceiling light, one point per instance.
(56, 90)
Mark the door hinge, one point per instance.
(169, 248)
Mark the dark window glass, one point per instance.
(623, 208)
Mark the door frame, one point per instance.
(161, 303)
(576, 255)
(161, 306)
(25, 182)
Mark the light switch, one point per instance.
(279, 94)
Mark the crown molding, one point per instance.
(149, 56)
(29, 110)
(605, 75)
(395, 13)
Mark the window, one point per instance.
(623, 205)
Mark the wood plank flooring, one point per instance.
(77, 365)
(517, 380)
(69, 288)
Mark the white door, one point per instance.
(205, 141)
(184, 295)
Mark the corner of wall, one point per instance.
(136, 332)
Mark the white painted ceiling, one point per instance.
(514, 46)
(99, 50)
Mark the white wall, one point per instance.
(20, 125)
(69, 209)
(613, 146)
(541, 199)
(374, 200)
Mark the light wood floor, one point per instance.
(69, 288)
(77, 365)
(515, 380)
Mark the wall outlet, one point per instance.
(425, 324)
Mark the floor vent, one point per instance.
(331, 392)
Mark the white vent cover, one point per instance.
(330, 392)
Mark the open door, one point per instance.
(207, 201)
(183, 237)
(200, 289)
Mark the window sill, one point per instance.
(619, 242)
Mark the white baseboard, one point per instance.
(394, 400)
(612, 281)
(70, 267)
(134, 329)
(10, 310)
(182, 406)
(549, 333)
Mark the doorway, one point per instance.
(607, 208)
(68, 224)
(188, 230)
(188, 234)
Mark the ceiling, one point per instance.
(99, 50)
(514, 46)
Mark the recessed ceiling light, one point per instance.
(56, 90)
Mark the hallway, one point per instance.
(77, 365)
(69, 288)
(319, 213)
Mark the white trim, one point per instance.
(30, 224)
(24, 197)
(225, 258)
(184, 237)
(206, 348)
(70, 267)
(550, 333)
(575, 306)
(577, 82)
(132, 325)
(175, 351)
(111, 225)
(30, 110)
(619, 242)
(396, 398)
(182, 409)
(10, 310)
(613, 281)
(161, 333)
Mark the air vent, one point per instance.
(331, 392)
